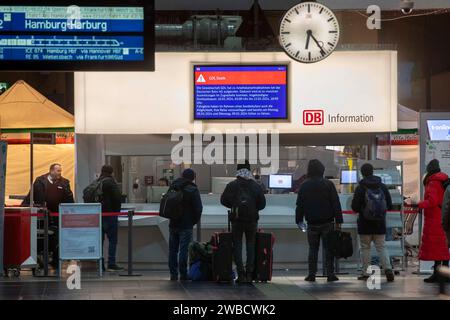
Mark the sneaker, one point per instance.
(311, 278)
(363, 277)
(332, 278)
(241, 279)
(389, 275)
(173, 277)
(114, 268)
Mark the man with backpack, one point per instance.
(371, 200)
(318, 203)
(106, 191)
(245, 198)
(183, 206)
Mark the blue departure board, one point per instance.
(109, 35)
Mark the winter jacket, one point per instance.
(359, 204)
(192, 205)
(230, 194)
(112, 196)
(318, 202)
(41, 196)
(434, 241)
(446, 214)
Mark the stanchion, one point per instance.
(199, 231)
(130, 272)
(45, 253)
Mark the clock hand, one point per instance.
(308, 37)
(318, 44)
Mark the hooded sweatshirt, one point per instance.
(192, 205)
(359, 202)
(317, 200)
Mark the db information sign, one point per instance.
(313, 117)
(80, 235)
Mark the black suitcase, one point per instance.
(264, 256)
(222, 256)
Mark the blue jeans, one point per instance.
(179, 241)
(110, 228)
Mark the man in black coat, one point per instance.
(371, 231)
(232, 198)
(181, 230)
(111, 203)
(318, 203)
(50, 190)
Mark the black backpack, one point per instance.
(171, 206)
(93, 193)
(244, 208)
(375, 205)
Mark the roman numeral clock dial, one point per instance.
(309, 32)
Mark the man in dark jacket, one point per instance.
(50, 190)
(181, 230)
(318, 203)
(369, 230)
(244, 218)
(111, 203)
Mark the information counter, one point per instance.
(151, 234)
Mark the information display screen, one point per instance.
(349, 177)
(439, 130)
(77, 35)
(240, 92)
(279, 181)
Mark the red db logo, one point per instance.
(313, 117)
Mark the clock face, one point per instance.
(309, 32)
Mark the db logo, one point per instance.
(313, 117)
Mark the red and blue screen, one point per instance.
(240, 92)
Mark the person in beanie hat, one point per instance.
(434, 241)
(181, 230)
(371, 231)
(245, 198)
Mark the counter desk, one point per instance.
(151, 234)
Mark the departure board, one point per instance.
(85, 36)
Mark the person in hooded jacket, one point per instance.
(371, 231)
(318, 203)
(434, 241)
(181, 230)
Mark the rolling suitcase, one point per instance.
(264, 256)
(222, 256)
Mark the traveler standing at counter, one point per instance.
(245, 198)
(111, 202)
(372, 219)
(318, 203)
(434, 242)
(50, 190)
(181, 230)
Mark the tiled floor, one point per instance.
(154, 285)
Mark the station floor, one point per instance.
(153, 285)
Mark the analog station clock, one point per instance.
(309, 32)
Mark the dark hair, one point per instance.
(189, 174)
(107, 170)
(367, 170)
(53, 165)
(432, 168)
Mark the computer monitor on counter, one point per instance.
(280, 181)
(349, 177)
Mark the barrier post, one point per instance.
(199, 231)
(45, 253)
(130, 247)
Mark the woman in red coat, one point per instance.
(434, 242)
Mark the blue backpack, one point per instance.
(376, 206)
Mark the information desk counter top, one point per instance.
(279, 212)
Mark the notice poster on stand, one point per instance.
(80, 235)
(3, 149)
(439, 150)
